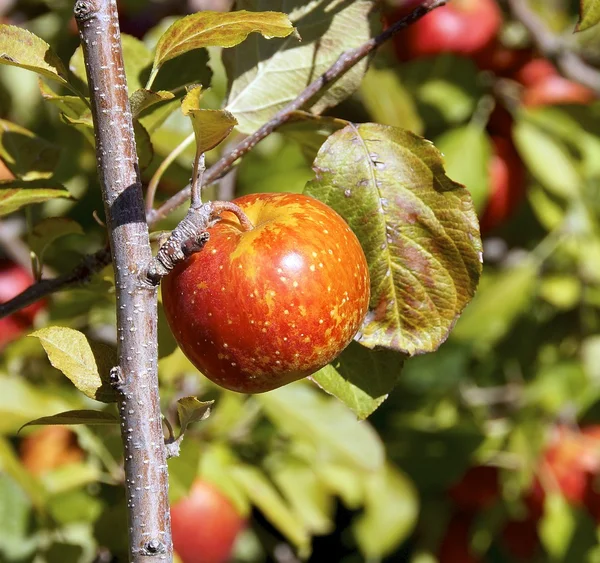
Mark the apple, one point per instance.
(501, 60)
(49, 448)
(477, 489)
(462, 27)
(205, 525)
(259, 308)
(521, 539)
(455, 545)
(507, 184)
(13, 280)
(544, 86)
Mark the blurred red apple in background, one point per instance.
(478, 488)
(49, 448)
(456, 543)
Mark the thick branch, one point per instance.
(556, 47)
(219, 169)
(136, 377)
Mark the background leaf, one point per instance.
(76, 417)
(589, 14)
(19, 193)
(417, 227)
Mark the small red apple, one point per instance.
(13, 280)
(462, 27)
(521, 539)
(257, 309)
(49, 448)
(205, 525)
(456, 545)
(477, 489)
(507, 184)
(501, 60)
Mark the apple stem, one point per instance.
(219, 207)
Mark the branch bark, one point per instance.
(219, 169)
(136, 376)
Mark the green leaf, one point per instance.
(48, 231)
(15, 194)
(387, 100)
(143, 144)
(74, 106)
(589, 14)
(467, 152)
(497, 305)
(547, 159)
(142, 99)
(184, 70)
(417, 227)
(264, 76)
(211, 126)
(16, 541)
(75, 417)
(361, 378)
(27, 156)
(390, 513)
(216, 29)
(87, 364)
(304, 412)
(190, 409)
(21, 48)
(267, 499)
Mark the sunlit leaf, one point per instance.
(86, 364)
(27, 156)
(417, 227)
(589, 14)
(361, 378)
(305, 412)
(190, 410)
(75, 417)
(216, 29)
(21, 48)
(264, 76)
(15, 194)
(210, 126)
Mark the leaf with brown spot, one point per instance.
(417, 227)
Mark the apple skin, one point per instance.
(455, 545)
(478, 488)
(507, 184)
(462, 27)
(49, 448)
(205, 525)
(255, 310)
(13, 280)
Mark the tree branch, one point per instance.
(219, 169)
(136, 376)
(556, 47)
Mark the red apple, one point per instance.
(456, 545)
(534, 71)
(507, 183)
(256, 309)
(13, 280)
(205, 525)
(463, 27)
(501, 60)
(49, 448)
(521, 539)
(478, 488)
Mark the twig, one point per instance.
(345, 62)
(220, 168)
(136, 376)
(556, 47)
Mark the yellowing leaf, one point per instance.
(589, 14)
(86, 364)
(21, 48)
(418, 229)
(15, 194)
(216, 29)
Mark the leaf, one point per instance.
(73, 106)
(15, 194)
(86, 364)
(27, 156)
(390, 513)
(210, 126)
(267, 499)
(216, 29)
(143, 144)
(21, 48)
(143, 99)
(75, 417)
(304, 412)
(190, 409)
(187, 69)
(418, 229)
(467, 152)
(589, 14)
(49, 230)
(361, 378)
(264, 76)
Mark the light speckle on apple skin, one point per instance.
(302, 310)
